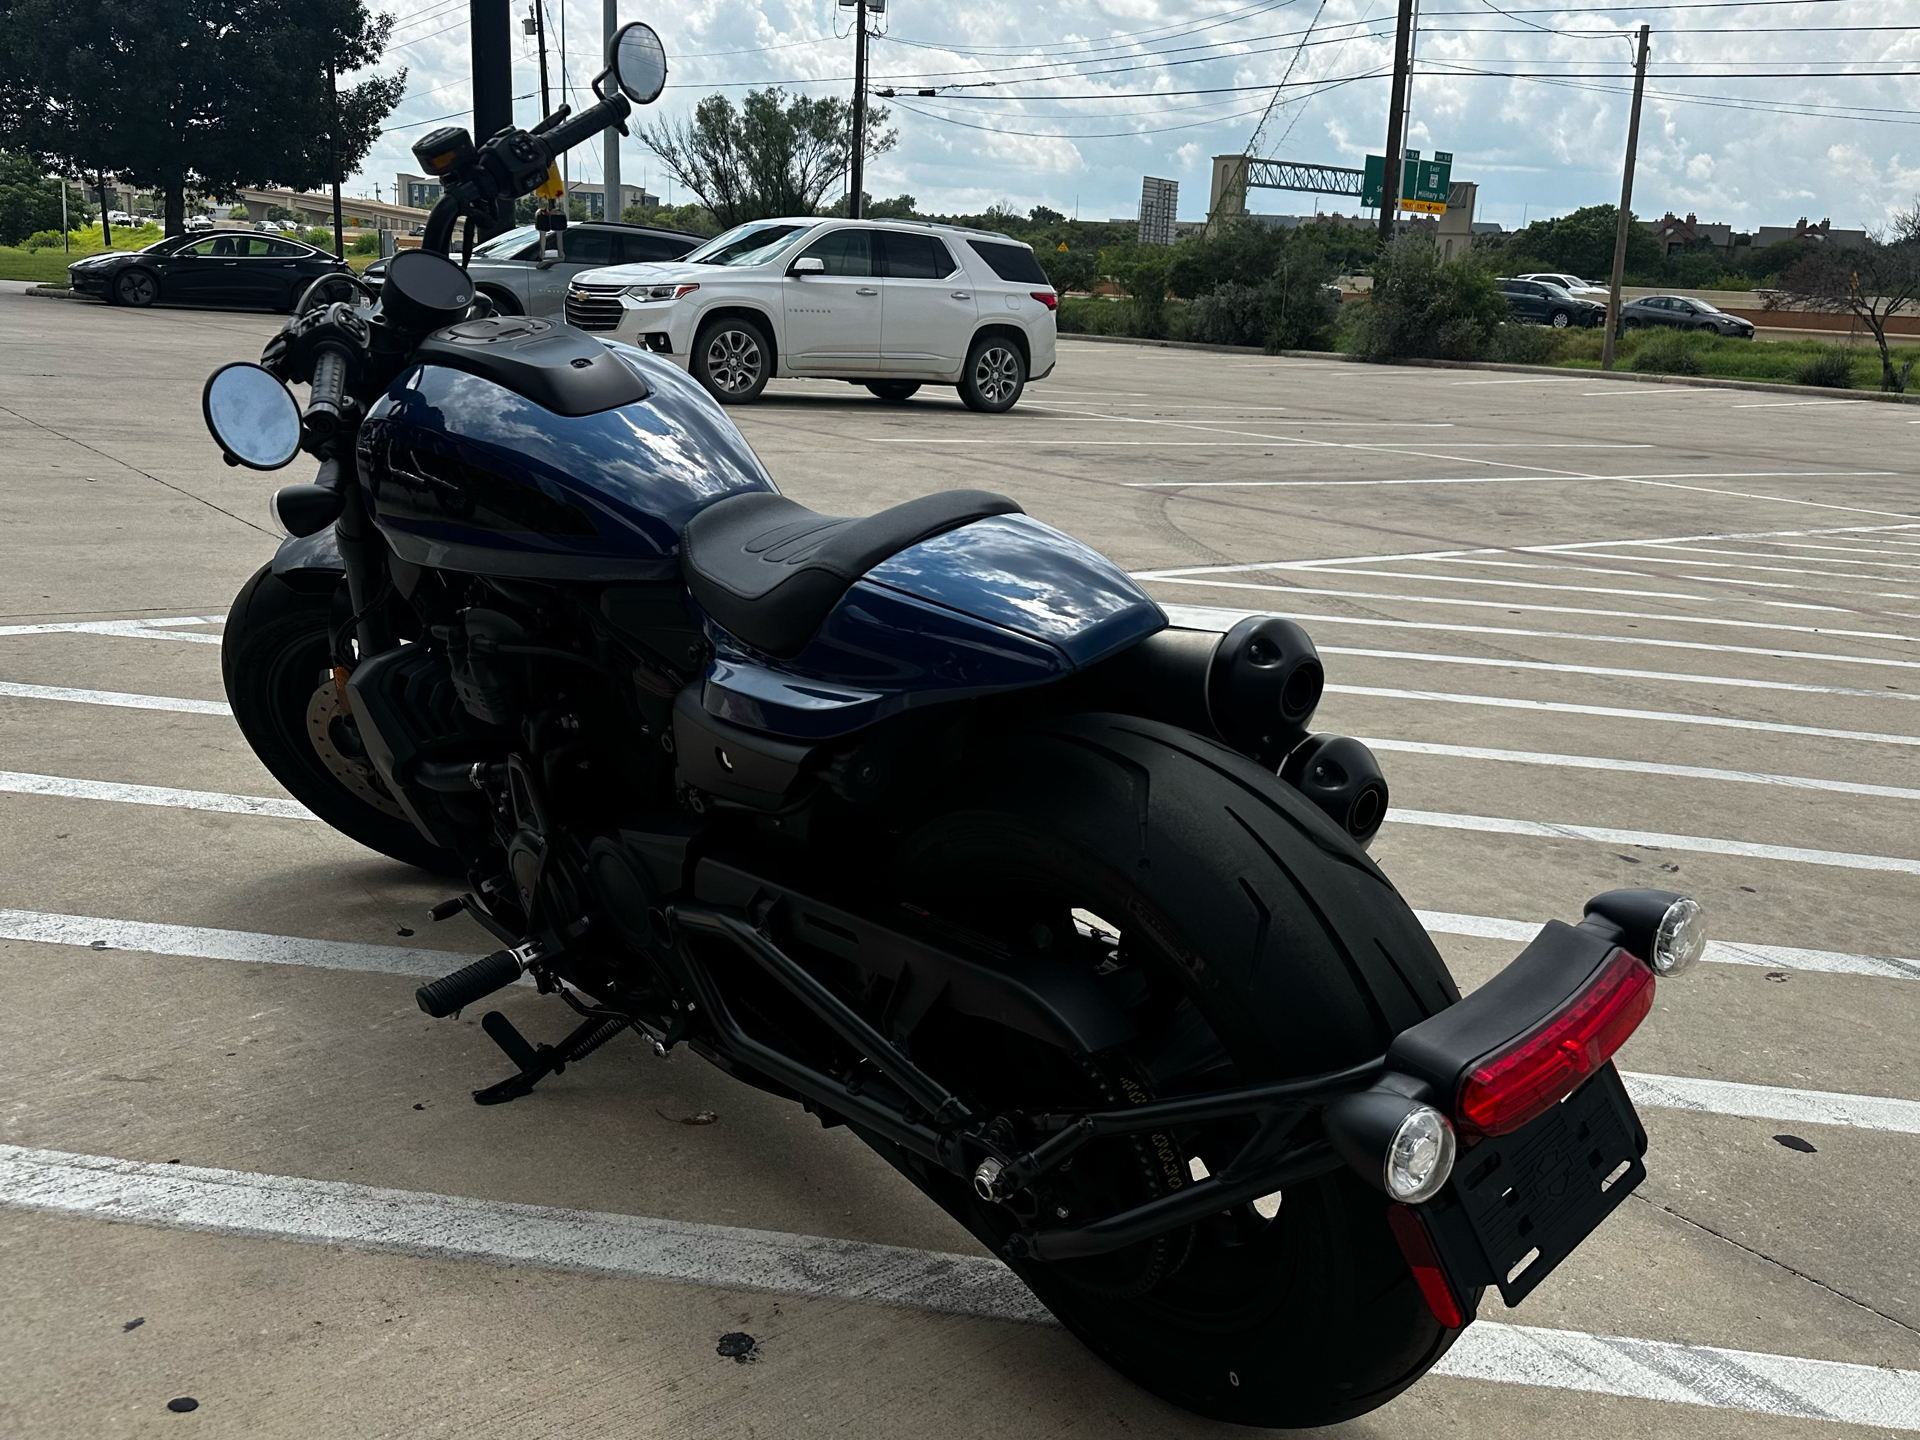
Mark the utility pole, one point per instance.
(610, 208)
(1396, 118)
(489, 23)
(856, 169)
(1626, 204)
(540, 40)
(333, 159)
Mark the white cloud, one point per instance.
(1535, 145)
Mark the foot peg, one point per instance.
(442, 997)
(536, 1063)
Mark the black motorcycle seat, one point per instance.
(769, 569)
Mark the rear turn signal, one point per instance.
(1046, 298)
(1540, 1070)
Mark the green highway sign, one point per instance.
(1423, 183)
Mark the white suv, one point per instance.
(889, 304)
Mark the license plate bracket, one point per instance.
(1519, 1204)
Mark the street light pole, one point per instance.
(610, 207)
(540, 39)
(333, 160)
(856, 169)
(1626, 204)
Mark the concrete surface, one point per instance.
(1467, 530)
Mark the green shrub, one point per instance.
(367, 242)
(1425, 307)
(1095, 315)
(1229, 314)
(44, 240)
(1830, 368)
(1519, 344)
(1669, 352)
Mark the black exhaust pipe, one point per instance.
(1253, 688)
(1340, 775)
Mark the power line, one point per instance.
(1173, 30)
(1126, 134)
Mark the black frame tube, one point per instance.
(921, 1088)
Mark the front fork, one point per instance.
(364, 554)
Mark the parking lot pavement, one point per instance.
(1599, 633)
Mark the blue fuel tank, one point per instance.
(467, 474)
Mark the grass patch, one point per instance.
(1786, 362)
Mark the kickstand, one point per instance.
(536, 1063)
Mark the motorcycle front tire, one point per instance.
(275, 654)
(1301, 957)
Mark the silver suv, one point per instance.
(890, 304)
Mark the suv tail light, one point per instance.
(1540, 1069)
(1046, 298)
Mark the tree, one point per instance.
(775, 155)
(1042, 216)
(203, 94)
(1581, 242)
(1425, 307)
(29, 203)
(1872, 282)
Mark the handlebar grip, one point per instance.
(329, 391)
(587, 124)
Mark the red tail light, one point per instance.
(1046, 298)
(1540, 1070)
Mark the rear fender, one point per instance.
(1000, 605)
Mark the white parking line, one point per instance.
(448, 1227)
(1719, 952)
(451, 1227)
(1638, 767)
(1564, 475)
(1210, 617)
(18, 691)
(201, 943)
(1772, 1102)
(1686, 1375)
(1306, 618)
(68, 788)
(1791, 404)
(1458, 602)
(136, 629)
(1708, 598)
(1617, 712)
(1653, 840)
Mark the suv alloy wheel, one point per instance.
(731, 358)
(994, 375)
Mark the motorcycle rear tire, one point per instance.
(1301, 957)
(272, 658)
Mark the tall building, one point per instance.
(1159, 202)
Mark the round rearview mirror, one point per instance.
(639, 62)
(252, 415)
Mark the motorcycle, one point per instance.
(927, 821)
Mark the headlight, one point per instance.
(660, 292)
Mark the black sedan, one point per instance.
(1549, 304)
(1684, 313)
(227, 268)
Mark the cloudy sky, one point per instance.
(1757, 112)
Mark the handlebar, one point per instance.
(328, 396)
(584, 126)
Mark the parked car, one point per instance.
(512, 271)
(1684, 313)
(231, 268)
(121, 217)
(892, 305)
(1546, 304)
(1572, 284)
